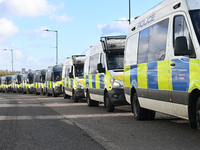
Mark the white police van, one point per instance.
(103, 73)
(72, 77)
(162, 62)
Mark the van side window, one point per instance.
(149, 48)
(86, 66)
(131, 50)
(181, 29)
(67, 70)
(93, 64)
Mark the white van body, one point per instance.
(162, 59)
(72, 77)
(105, 84)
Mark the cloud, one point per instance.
(31, 8)
(32, 34)
(61, 18)
(7, 29)
(117, 27)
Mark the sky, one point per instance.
(79, 23)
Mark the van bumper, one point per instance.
(117, 97)
(79, 93)
(58, 90)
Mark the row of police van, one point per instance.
(154, 68)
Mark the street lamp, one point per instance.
(129, 18)
(56, 43)
(11, 56)
(129, 12)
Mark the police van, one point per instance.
(16, 83)
(0, 85)
(27, 83)
(6, 84)
(39, 82)
(103, 73)
(53, 81)
(72, 77)
(162, 62)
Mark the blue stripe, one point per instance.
(93, 81)
(133, 76)
(180, 75)
(87, 80)
(72, 83)
(101, 81)
(152, 75)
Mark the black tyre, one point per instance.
(42, 92)
(54, 94)
(198, 114)
(47, 93)
(36, 93)
(65, 96)
(109, 106)
(89, 101)
(74, 98)
(139, 112)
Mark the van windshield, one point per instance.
(57, 76)
(195, 16)
(9, 81)
(115, 60)
(79, 70)
(19, 80)
(30, 80)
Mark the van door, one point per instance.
(180, 68)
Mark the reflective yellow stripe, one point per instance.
(107, 80)
(90, 81)
(142, 76)
(97, 81)
(127, 78)
(194, 74)
(164, 75)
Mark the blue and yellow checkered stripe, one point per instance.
(94, 81)
(68, 82)
(161, 75)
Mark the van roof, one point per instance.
(160, 11)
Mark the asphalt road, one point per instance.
(39, 122)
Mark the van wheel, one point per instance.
(36, 93)
(198, 114)
(42, 92)
(139, 112)
(74, 97)
(89, 101)
(65, 96)
(109, 106)
(53, 93)
(47, 93)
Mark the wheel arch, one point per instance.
(133, 90)
(192, 102)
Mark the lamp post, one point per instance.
(56, 43)
(129, 12)
(11, 56)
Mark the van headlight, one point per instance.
(57, 85)
(79, 85)
(117, 83)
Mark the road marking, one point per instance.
(63, 116)
(20, 104)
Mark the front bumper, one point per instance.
(79, 93)
(117, 97)
(58, 90)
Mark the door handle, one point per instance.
(173, 64)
